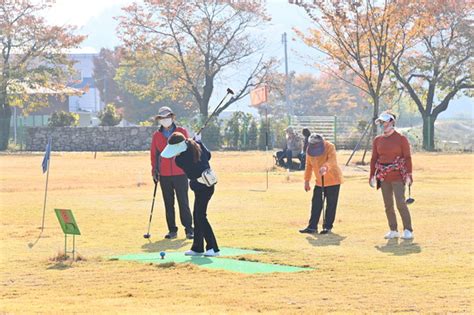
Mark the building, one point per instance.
(90, 100)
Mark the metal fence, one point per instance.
(343, 131)
(18, 127)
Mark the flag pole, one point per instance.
(45, 194)
(45, 164)
(266, 140)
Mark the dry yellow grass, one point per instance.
(355, 269)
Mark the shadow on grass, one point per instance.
(331, 239)
(200, 260)
(399, 248)
(59, 266)
(163, 244)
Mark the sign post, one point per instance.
(69, 226)
(259, 96)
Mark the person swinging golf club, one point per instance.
(171, 177)
(391, 169)
(321, 160)
(193, 157)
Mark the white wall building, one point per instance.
(90, 101)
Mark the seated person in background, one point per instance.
(293, 148)
(306, 133)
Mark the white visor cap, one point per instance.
(384, 117)
(172, 150)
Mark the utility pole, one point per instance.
(287, 88)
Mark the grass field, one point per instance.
(355, 269)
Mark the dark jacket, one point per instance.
(166, 167)
(191, 169)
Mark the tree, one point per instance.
(63, 119)
(32, 52)
(440, 67)
(263, 134)
(232, 134)
(109, 116)
(105, 68)
(317, 96)
(191, 42)
(147, 88)
(363, 37)
(253, 135)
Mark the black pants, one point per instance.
(303, 161)
(332, 195)
(202, 228)
(179, 184)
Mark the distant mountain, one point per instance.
(101, 30)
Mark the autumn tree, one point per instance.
(150, 87)
(318, 96)
(441, 66)
(33, 52)
(190, 43)
(363, 37)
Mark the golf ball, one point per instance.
(162, 254)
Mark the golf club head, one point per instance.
(230, 91)
(147, 235)
(410, 200)
(30, 245)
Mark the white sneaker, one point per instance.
(407, 235)
(211, 253)
(391, 234)
(192, 253)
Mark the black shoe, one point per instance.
(309, 231)
(190, 235)
(325, 231)
(171, 235)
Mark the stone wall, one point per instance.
(90, 138)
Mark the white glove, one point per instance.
(373, 182)
(197, 137)
(409, 180)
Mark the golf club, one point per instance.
(147, 235)
(323, 197)
(32, 244)
(229, 91)
(410, 200)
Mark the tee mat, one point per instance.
(221, 262)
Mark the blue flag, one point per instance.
(46, 156)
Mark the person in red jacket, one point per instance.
(391, 170)
(171, 178)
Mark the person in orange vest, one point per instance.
(321, 161)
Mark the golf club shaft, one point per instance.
(323, 197)
(212, 114)
(152, 205)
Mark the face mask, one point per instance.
(386, 129)
(166, 122)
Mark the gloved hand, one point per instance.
(197, 137)
(409, 180)
(323, 170)
(156, 177)
(373, 182)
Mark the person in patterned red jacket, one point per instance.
(171, 178)
(391, 170)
